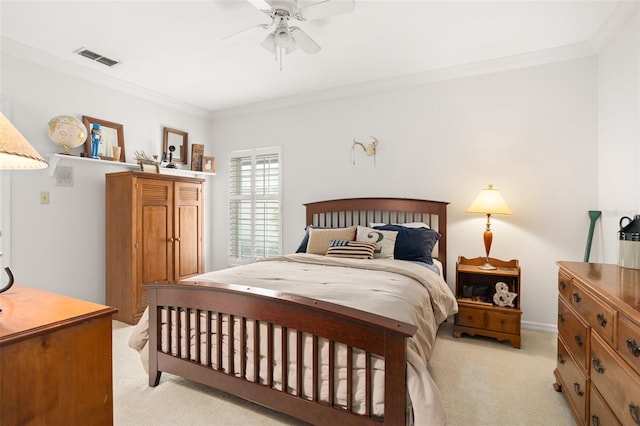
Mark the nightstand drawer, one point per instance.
(574, 332)
(564, 286)
(629, 342)
(471, 317)
(504, 321)
(599, 316)
(599, 412)
(574, 382)
(616, 382)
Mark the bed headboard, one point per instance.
(363, 211)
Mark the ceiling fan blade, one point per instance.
(245, 34)
(260, 4)
(326, 8)
(305, 42)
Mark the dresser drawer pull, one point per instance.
(579, 392)
(601, 320)
(576, 297)
(560, 317)
(634, 410)
(634, 348)
(578, 340)
(563, 285)
(597, 365)
(561, 359)
(595, 420)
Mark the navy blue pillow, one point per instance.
(414, 244)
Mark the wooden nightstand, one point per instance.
(477, 313)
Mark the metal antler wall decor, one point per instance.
(370, 149)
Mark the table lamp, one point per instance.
(489, 202)
(16, 154)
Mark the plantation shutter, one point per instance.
(254, 205)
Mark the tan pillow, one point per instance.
(320, 239)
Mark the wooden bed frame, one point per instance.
(368, 332)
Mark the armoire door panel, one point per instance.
(189, 245)
(156, 244)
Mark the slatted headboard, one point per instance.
(363, 211)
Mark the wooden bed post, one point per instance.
(395, 390)
(154, 338)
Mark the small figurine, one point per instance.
(96, 136)
(503, 297)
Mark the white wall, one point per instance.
(530, 132)
(619, 135)
(59, 247)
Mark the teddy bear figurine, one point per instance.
(503, 296)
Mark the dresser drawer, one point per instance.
(599, 412)
(564, 285)
(505, 322)
(471, 317)
(616, 382)
(574, 332)
(629, 342)
(599, 316)
(573, 381)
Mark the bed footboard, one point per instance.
(314, 360)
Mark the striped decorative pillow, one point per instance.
(352, 249)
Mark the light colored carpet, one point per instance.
(482, 382)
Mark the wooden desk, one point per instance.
(55, 360)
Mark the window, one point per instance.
(255, 200)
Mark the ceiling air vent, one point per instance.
(96, 57)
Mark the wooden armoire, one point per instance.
(153, 234)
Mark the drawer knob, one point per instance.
(563, 285)
(597, 365)
(601, 320)
(561, 317)
(634, 348)
(578, 340)
(561, 359)
(595, 420)
(576, 297)
(577, 390)
(634, 410)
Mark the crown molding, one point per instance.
(563, 53)
(22, 51)
(558, 54)
(620, 15)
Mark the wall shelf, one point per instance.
(54, 159)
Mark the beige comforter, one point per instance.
(396, 289)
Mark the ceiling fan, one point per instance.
(283, 38)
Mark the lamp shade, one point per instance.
(489, 201)
(15, 151)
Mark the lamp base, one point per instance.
(487, 266)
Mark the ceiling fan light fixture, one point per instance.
(269, 43)
(284, 40)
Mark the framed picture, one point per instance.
(209, 164)
(197, 152)
(175, 143)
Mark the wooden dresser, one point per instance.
(599, 342)
(153, 234)
(55, 360)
